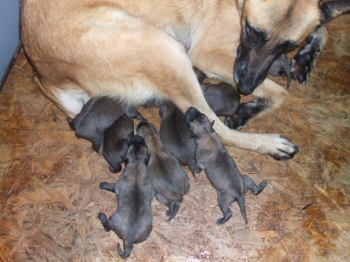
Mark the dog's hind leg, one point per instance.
(224, 201)
(249, 184)
(128, 245)
(173, 209)
(108, 186)
(305, 60)
(102, 217)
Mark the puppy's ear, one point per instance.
(330, 10)
(147, 159)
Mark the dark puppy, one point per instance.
(222, 98)
(116, 142)
(169, 179)
(96, 116)
(176, 136)
(219, 166)
(133, 220)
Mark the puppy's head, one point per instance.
(137, 152)
(145, 129)
(198, 123)
(273, 27)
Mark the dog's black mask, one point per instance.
(255, 56)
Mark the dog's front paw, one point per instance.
(278, 147)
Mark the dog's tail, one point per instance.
(241, 204)
(173, 209)
(128, 245)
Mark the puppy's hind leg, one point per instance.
(249, 184)
(128, 245)
(102, 217)
(173, 209)
(224, 201)
(108, 186)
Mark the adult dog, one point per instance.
(142, 50)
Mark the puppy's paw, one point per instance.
(104, 185)
(102, 217)
(222, 220)
(261, 187)
(278, 147)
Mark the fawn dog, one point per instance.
(142, 50)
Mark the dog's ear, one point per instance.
(330, 10)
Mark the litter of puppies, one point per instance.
(153, 162)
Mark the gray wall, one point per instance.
(9, 32)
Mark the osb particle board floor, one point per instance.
(50, 197)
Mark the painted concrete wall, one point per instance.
(9, 32)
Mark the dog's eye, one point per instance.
(285, 47)
(289, 46)
(253, 35)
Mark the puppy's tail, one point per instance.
(127, 249)
(241, 204)
(173, 209)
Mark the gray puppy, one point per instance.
(169, 179)
(176, 136)
(222, 98)
(133, 220)
(219, 166)
(96, 116)
(116, 142)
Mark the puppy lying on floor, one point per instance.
(219, 166)
(169, 179)
(133, 220)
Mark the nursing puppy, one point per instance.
(222, 98)
(175, 136)
(219, 166)
(96, 116)
(116, 142)
(169, 179)
(133, 220)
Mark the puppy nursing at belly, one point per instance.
(132, 221)
(219, 166)
(169, 179)
(97, 115)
